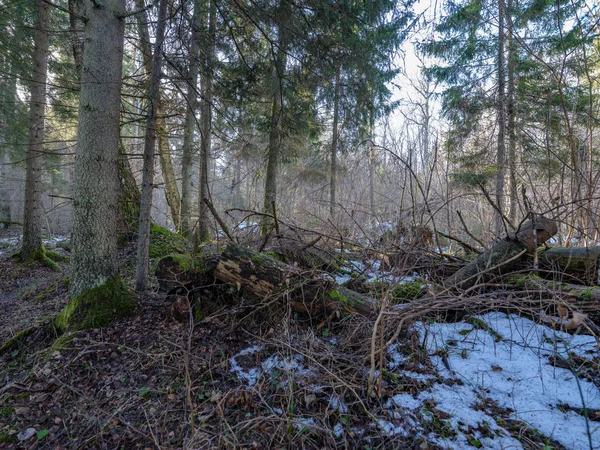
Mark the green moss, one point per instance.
(406, 292)
(16, 340)
(189, 262)
(272, 254)
(62, 342)
(586, 295)
(7, 411)
(164, 242)
(335, 295)
(522, 281)
(97, 307)
(41, 255)
(6, 438)
(478, 323)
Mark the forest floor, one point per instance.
(243, 378)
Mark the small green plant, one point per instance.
(144, 390)
(406, 292)
(41, 435)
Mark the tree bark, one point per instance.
(277, 110)
(166, 167)
(32, 221)
(580, 263)
(77, 23)
(512, 118)
(501, 156)
(504, 255)
(141, 279)
(96, 204)
(206, 79)
(334, 143)
(189, 155)
(311, 292)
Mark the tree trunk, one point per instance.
(276, 119)
(189, 155)
(512, 118)
(334, 143)
(141, 279)
(77, 23)
(580, 263)
(5, 212)
(314, 294)
(130, 196)
(32, 221)
(206, 122)
(501, 156)
(171, 190)
(166, 167)
(503, 256)
(94, 259)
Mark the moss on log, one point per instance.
(504, 255)
(583, 264)
(310, 291)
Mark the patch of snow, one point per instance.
(396, 357)
(338, 430)
(511, 367)
(406, 401)
(338, 404)
(249, 375)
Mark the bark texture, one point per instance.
(502, 257)
(32, 221)
(206, 121)
(582, 264)
(96, 203)
(276, 119)
(188, 159)
(141, 278)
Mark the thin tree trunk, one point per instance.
(206, 80)
(141, 277)
(77, 22)
(188, 157)
(277, 109)
(512, 119)
(96, 206)
(5, 212)
(32, 221)
(166, 167)
(334, 144)
(501, 156)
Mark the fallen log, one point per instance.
(584, 298)
(309, 291)
(504, 255)
(583, 264)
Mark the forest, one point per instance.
(300, 224)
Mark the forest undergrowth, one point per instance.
(269, 377)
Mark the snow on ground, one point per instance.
(495, 359)
(511, 366)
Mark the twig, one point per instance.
(467, 230)
(218, 219)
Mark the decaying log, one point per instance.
(181, 272)
(504, 255)
(581, 263)
(310, 291)
(584, 298)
